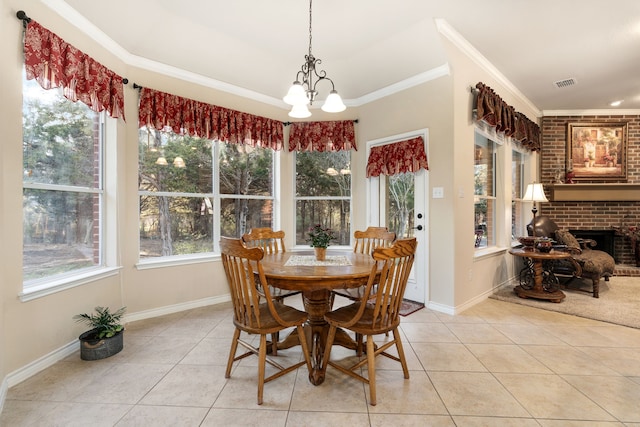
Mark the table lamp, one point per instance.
(534, 193)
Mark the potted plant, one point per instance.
(319, 239)
(105, 338)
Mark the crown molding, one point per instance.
(468, 49)
(418, 79)
(604, 112)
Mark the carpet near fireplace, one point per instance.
(619, 301)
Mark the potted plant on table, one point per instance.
(105, 338)
(319, 239)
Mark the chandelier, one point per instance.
(303, 91)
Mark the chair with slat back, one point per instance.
(241, 266)
(365, 242)
(271, 242)
(377, 313)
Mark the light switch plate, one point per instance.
(438, 192)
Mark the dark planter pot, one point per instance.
(92, 348)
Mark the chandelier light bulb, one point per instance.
(296, 95)
(334, 103)
(300, 111)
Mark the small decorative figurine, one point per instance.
(569, 177)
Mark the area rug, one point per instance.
(409, 307)
(619, 301)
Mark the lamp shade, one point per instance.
(299, 111)
(296, 95)
(535, 193)
(334, 103)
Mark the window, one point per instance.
(484, 191)
(517, 191)
(62, 185)
(323, 193)
(193, 190)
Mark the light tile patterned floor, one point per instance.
(497, 364)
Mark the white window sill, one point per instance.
(173, 261)
(45, 287)
(488, 252)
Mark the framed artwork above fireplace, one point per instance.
(597, 152)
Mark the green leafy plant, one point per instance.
(320, 237)
(105, 323)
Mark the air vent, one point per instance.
(566, 82)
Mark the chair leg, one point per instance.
(403, 361)
(232, 352)
(596, 287)
(327, 348)
(305, 348)
(262, 360)
(371, 362)
(358, 344)
(275, 337)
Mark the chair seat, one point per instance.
(364, 324)
(268, 323)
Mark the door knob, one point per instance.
(418, 228)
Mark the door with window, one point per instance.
(399, 202)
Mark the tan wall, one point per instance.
(476, 276)
(425, 106)
(32, 330)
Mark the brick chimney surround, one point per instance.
(598, 214)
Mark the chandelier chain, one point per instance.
(310, 1)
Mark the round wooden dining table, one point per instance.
(300, 271)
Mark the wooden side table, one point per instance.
(533, 277)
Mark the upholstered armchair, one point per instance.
(585, 262)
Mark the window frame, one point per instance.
(297, 198)
(216, 197)
(106, 246)
(492, 224)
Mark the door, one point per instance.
(400, 203)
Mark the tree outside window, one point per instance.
(62, 184)
(323, 194)
(192, 189)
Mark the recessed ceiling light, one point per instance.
(616, 103)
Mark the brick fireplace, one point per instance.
(599, 215)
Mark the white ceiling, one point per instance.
(368, 45)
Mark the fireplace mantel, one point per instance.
(602, 192)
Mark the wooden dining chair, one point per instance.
(365, 242)
(271, 242)
(370, 317)
(253, 317)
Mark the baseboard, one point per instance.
(3, 393)
(51, 358)
(41, 363)
(447, 309)
(176, 308)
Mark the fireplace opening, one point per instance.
(605, 239)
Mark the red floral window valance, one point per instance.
(160, 110)
(398, 157)
(55, 63)
(496, 113)
(322, 136)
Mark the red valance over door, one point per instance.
(399, 157)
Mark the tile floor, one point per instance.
(496, 364)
